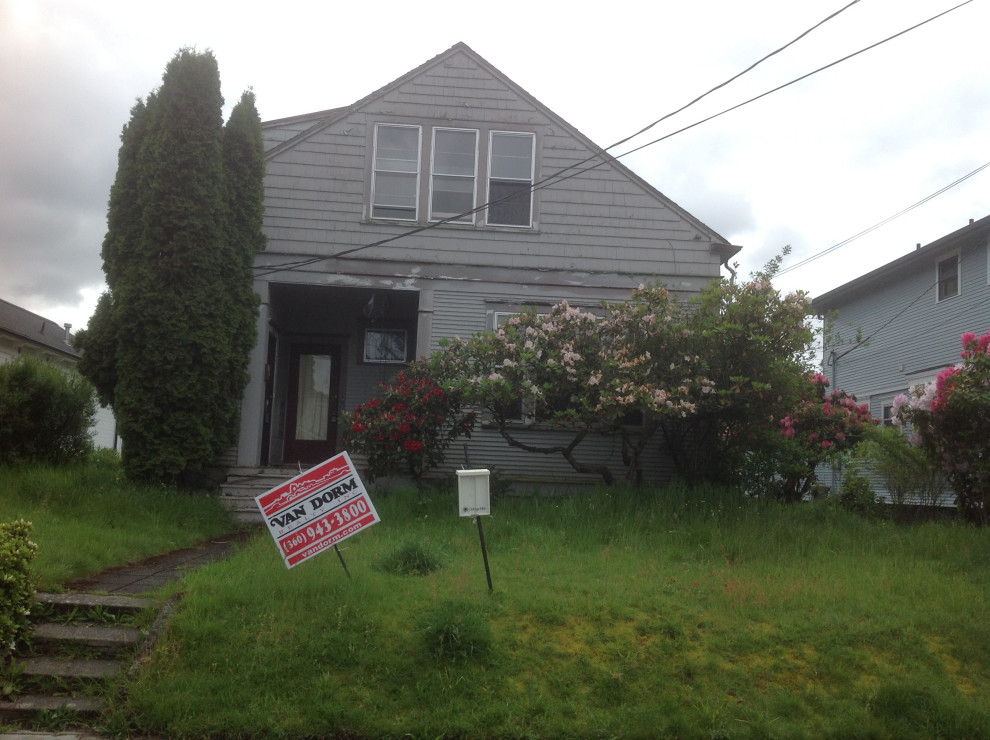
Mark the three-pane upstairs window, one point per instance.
(455, 168)
(396, 177)
(510, 179)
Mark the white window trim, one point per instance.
(532, 173)
(938, 281)
(474, 176)
(375, 170)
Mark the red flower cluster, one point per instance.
(409, 427)
(828, 421)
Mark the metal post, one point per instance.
(484, 553)
(341, 558)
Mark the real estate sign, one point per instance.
(317, 509)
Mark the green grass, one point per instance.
(86, 518)
(620, 614)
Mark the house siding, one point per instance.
(602, 221)
(912, 335)
(594, 237)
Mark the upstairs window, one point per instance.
(396, 176)
(454, 171)
(948, 277)
(510, 179)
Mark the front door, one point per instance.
(311, 417)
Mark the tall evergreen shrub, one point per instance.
(169, 342)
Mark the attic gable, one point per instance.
(461, 87)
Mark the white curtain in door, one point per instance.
(313, 404)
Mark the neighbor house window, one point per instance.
(510, 179)
(385, 345)
(948, 277)
(453, 178)
(396, 177)
(888, 414)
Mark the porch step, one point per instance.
(244, 484)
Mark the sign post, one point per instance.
(474, 499)
(317, 510)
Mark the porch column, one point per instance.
(424, 327)
(253, 402)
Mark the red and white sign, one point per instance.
(317, 509)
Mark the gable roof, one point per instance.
(35, 329)
(909, 262)
(320, 120)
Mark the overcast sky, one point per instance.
(808, 166)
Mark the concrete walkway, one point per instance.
(152, 573)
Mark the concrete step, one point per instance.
(99, 638)
(67, 603)
(27, 706)
(80, 668)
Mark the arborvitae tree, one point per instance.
(170, 340)
(124, 228)
(244, 210)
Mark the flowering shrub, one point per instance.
(578, 372)
(713, 374)
(820, 427)
(408, 428)
(752, 343)
(950, 421)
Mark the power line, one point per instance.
(578, 169)
(886, 221)
(892, 319)
(558, 176)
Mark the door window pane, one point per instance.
(313, 402)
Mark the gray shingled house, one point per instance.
(358, 278)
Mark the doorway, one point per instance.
(313, 400)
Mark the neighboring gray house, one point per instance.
(912, 312)
(354, 283)
(25, 333)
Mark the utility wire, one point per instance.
(558, 176)
(578, 170)
(775, 89)
(886, 221)
(833, 358)
(882, 348)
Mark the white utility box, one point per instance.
(473, 492)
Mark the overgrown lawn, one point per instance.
(674, 613)
(87, 517)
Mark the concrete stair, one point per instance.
(74, 653)
(244, 484)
